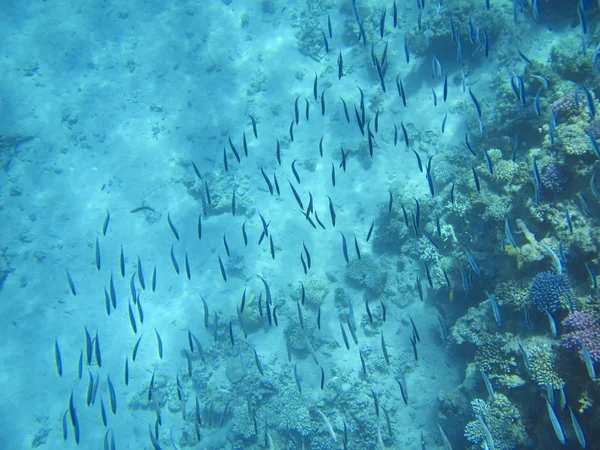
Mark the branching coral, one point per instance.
(503, 420)
(542, 363)
(582, 328)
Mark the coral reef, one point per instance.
(366, 273)
(548, 289)
(503, 420)
(582, 328)
(542, 366)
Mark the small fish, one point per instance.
(555, 423)
(222, 267)
(428, 273)
(254, 127)
(345, 248)
(57, 358)
(476, 180)
(174, 260)
(403, 388)
(132, 319)
(267, 180)
(297, 378)
(112, 394)
(406, 53)
(296, 196)
(323, 102)
(555, 259)
(346, 342)
(419, 287)
(589, 364)
(136, 347)
(328, 425)
(488, 385)
(419, 162)
(578, 430)
(384, 348)
(122, 262)
(495, 308)
(413, 341)
(97, 353)
(331, 211)
(272, 247)
(406, 141)
(71, 284)
(173, 229)
(414, 327)
(105, 224)
(159, 344)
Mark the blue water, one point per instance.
(105, 105)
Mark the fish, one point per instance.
(406, 141)
(122, 262)
(322, 378)
(267, 180)
(578, 431)
(257, 361)
(136, 347)
(383, 311)
(555, 259)
(132, 320)
(300, 317)
(419, 162)
(443, 328)
(106, 222)
(345, 248)
(173, 229)
(329, 26)
(141, 208)
(292, 131)
(231, 334)
(555, 423)
(126, 373)
(57, 358)
(296, 196)
(159, 344)
(406, 53)
(345, 336)
(414, 327)
(495, 308)
(476, 179)
(98, 260)
(222, 268)
(272, 247)
(419, 287)
(97, 353)
(303, 263)
(112, 395)
(447, 445)
(174, 260)
(254, 126)
(332, 174)
(71, 284)
(328, 425)
(297, 378)
(323, 102)
(428, 273)
(74, 420)
(413, 341)
(403, 387)
(488, 385)
(319, 318)
(331, 211)
(352, 327)
(589, 364)
(384, 349)
(278, 153)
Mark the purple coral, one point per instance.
(547, 290)
(566, 106)
(552, 178)
(582, 328)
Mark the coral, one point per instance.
(367, 273)
(292, 411)
(315, 291)
(566, 106)
(542, 367)
(582, 328)
(553, 178)
(295, 336)
(493, 355)
(513, 293)
(503, 420)
(547, 290)
(243, 424)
